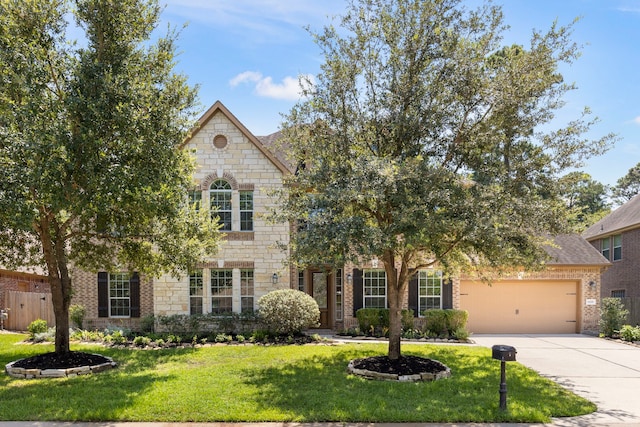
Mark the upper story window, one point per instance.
(375, 289)
(617, 247)
(246, 211)
(220, 197)
(429, 290)
(605, 248)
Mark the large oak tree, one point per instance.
(90, 173)
(421, 144)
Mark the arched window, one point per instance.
(220, 196)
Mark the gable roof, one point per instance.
(573, 249)
(625, 217)
(218, 107)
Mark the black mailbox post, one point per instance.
(503, 353)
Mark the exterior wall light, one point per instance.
(274, 278)
(349, 278)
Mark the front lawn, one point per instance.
(293, 383)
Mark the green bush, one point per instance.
(612, 316)
(76, 314)
(38, 326)
(288, 311)
(446, 323)
(375, 321)
(435, 323)
(629, 333)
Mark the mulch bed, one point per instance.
(405, 365)
(72, 359)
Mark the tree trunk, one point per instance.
(394, 290)
(61, 302)
(55, 256)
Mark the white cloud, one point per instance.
(637, 120)
(289, 89)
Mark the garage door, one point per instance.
(520, 306)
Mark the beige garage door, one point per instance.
(520, 307)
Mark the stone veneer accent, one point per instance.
(423, 376)
(57, 373)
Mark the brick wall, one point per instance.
(625, 273)
(85, 293)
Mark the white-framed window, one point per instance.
(220, 202)
(119, 295)
(617, 247)
(246, 291)
(338, 282)
(246, 211)
(221, 291)
(196, 292)
(374, 288)
(429, 290)
(195, 198)
(605, 248)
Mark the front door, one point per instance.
(320, 292)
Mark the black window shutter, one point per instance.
(134, 294)
(357, 291)
(103, 294)
(447, 294)
(413, 294)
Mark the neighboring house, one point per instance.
(236, 174)
(617, 238)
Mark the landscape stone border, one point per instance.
(423, 376)
(57, 373)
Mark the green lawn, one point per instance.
(279, 383)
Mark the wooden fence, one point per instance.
(25, 307)
(633, 305)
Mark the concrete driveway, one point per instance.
(603, 371)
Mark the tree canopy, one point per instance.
(421, 143)
(586, 199)
(90, 173)
(628, 186)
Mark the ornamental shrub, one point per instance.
(612, 316)
(375, 321)
(76, 314)
(446, 323)
(288, 311)
(630, 333)
(38, 326)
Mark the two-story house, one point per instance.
(617, 238)
(236, 173)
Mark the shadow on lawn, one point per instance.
(95, 397)
(319, 389)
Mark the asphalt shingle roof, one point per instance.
(572, 249)
(626, 216)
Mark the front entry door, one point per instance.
(320, 293)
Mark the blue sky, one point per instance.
(249, 53)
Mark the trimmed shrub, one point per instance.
(38, 326)
(435, 324)
(76, 314)
(375, 321)
(446, 323)
(288, 311)
(612, 316)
